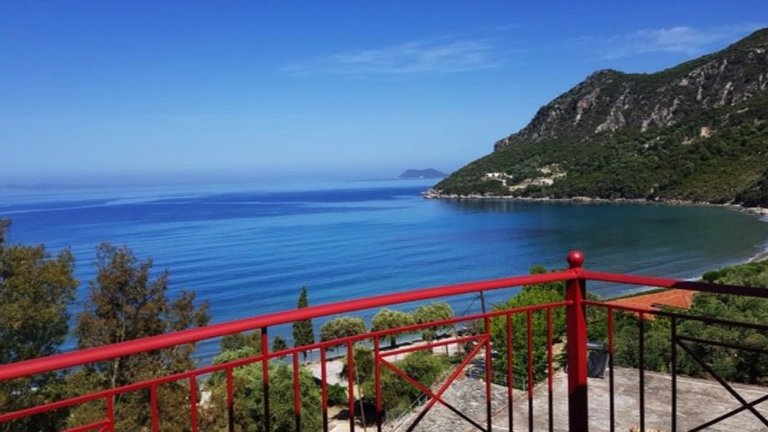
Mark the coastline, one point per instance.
(760, 256)
(434, 194)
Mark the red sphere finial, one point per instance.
(575, 258)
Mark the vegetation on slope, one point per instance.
(32, 280)
(734, 365)
(124, 302)
(529, 295)
(693, 132)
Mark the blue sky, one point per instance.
(107, 89)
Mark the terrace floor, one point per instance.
(698, 402)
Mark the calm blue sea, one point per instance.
(248, 249)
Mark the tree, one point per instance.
(303, 334)
(530, 295)
(249, 397)
(732, 364)
(363, 365)
(237, 341)
(279, 344)
(398, 394)
(35, 290)
(342, 327)
(431, 313)
(126, 303)
(387, 319)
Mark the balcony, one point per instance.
(486, 388)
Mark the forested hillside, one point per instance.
(694, 132)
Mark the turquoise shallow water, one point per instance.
(247, 249)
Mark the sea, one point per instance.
(248, 249)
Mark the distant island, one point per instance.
(696, 132)
(422, 173)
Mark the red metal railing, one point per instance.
(575, 304)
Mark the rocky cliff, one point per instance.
(674, 134)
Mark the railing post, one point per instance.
(576, 332)
(265, 376)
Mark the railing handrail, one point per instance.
(657, 282)
(167, 340)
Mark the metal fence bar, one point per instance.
(721, 344)
(296, 392)
(426, 391)
(193, 403)
(673, 367)
(488, 374)
(377, 383)
(730, 414)
(439, 393)
(674, 283)
(723, 383)
(265, 376)
(550, 372)
(351, 384)
(99, 425)
(641, 364)
(668, 314)
(510, 374)
(529, 381)
(111, 413)
(230, 400)
(324, 388)
(429, 345)
(154, 409)
(611, 392)
(576, 333)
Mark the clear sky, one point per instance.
(91, 89)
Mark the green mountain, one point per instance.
(697, 132)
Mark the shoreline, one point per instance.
(760, 256)
(436, 195)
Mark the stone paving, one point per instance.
(468, 396)
(698, 402)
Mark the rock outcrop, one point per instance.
(706, 114)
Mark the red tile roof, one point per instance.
(677, 298)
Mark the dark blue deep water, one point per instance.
(249, 249)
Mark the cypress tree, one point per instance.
(303, 334)
(278, 344)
